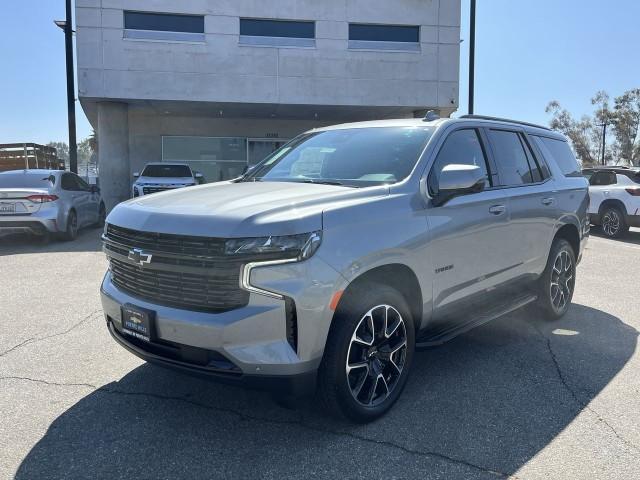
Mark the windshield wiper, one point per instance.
(321, 182)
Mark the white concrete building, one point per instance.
(221, 83)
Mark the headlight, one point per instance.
(300, 246)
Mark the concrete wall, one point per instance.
(222, 70)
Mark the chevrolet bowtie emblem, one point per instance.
(139, 256)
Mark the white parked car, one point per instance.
(45, 202)
(615, 198)
(160, 176)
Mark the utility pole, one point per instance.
(604, 138)
(67, 26)
(472, 54)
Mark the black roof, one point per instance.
(613, 168)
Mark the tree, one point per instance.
(626, 124)
(622, 142)
(87, 154)
(62, 149)
(580, 132)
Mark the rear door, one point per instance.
(75, 195)
(600, 185)
(531, 197)
(467, 232)
(91, 201)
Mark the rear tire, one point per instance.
(613, 223)
(557, 283)
(368, 353)
(71, 233)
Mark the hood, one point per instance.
(164, 180)
(247, 209)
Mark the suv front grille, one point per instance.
(181, 290)
(166, 243)
(186, 272)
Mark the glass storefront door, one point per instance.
(218, 158)
(260, 148)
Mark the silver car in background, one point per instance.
(46, 202)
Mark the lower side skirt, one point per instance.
(472, 317)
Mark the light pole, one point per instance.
(472, 53)
(67, 26)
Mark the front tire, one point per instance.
(557, 283)
(368, 354)
(613, 222)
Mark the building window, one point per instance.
(384, 37)
(279, 33)
(164, 26)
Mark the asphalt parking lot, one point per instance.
(517, 398)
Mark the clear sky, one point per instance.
(530, 52)
(527, 53)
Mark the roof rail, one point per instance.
(497, 119)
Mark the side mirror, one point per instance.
(136, 174)
(458, 179)
(94, 189)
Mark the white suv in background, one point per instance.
(160, 176)
(615, 198)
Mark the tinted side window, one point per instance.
(68, 182)
(560, 152)
(634, 177)
(511, 157)
(461, 147)
(82, 185)
(539, 168)
(603, 178)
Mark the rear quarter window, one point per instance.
(560, 152)
(633, 176)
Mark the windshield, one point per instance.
(166, 171)
(26, 180)
(354, 157)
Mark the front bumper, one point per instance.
(253, 339)
(296, 385)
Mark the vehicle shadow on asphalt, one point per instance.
(480, 406)
(88, 241)
(631, 237)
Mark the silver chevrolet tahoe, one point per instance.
(328, 264)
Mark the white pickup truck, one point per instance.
(161, 176)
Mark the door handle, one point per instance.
(497, 209)
(548, 201)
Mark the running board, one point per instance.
(448, 332)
